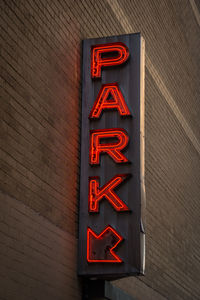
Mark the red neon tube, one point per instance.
(112, 149)
(99, 60)
(103, 102)
(96, 194)
(100, 248)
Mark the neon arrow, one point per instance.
(100, 247)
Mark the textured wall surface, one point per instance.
(40, 99)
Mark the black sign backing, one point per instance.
(111, 241)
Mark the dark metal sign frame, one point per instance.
(111, 233)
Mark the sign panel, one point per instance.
(111, 234)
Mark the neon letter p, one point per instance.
(105, 55)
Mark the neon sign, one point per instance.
(96, 194)
(104, 102)
(112, 149)
(111, 237)
(120, 51)
(107, 236)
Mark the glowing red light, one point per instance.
(113, 149)
(107, 240)
(96, 194)
(98, 61)
(104, 102)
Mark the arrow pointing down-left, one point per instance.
(100, 247)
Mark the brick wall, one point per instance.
(40, 87)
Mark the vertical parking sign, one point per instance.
(112, 193)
